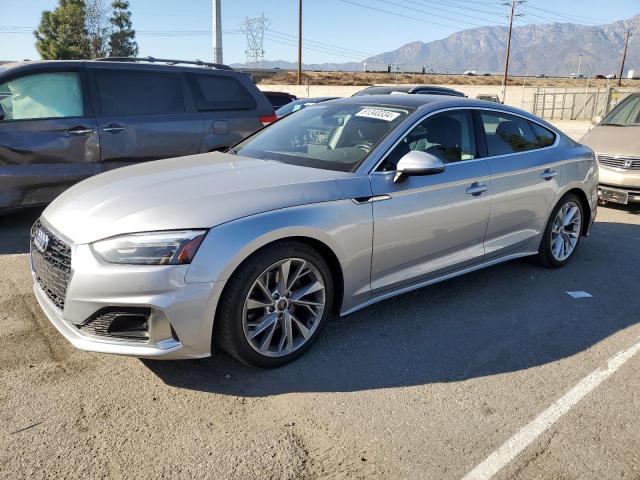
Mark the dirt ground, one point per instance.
(370, 78)
(425, 385)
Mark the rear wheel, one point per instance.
(562, 234)
(275, 305)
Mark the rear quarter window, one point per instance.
(544, 136)
(219, 92)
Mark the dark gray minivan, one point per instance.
(62, 121)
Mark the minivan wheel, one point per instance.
(562, 234)
(275, 305)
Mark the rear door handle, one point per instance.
(80, 131)
(548, 174)
(477, 189)
(113, 128)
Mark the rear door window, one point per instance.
(42, 95)
(219, 92)
(507, 134)
(129, 92)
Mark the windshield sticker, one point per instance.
(378, 113)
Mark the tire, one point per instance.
(547, 255)
(245, 308)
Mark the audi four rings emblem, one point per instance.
(41, 240)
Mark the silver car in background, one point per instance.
(326, 211)
(616, 142)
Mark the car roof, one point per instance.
(314, 99)
(405, 88)
(428, 102)
(28, 64)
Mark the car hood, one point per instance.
(612, 140)
(199, 191)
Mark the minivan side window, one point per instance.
(449, 136)
(507, 134)
(219, 92)
(130, 92)
(42, 95)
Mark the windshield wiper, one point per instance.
(615, 124)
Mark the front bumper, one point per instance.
(182, 314)
(619, 179)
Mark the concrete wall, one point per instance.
(516, 96)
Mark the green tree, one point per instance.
(123, 37)
(62, 33)
(98, 28)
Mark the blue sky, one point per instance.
(336, 30)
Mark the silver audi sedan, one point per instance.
(324, 212)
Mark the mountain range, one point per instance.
(552, 49)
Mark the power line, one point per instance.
(457, 9)
(396, 14)
(292, 43)
(412, 8)
(565, 15)
(314, 42)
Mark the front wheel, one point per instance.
(275, 305)
(562, 234)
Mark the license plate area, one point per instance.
(614, 196)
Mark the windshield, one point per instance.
(329, 136)
(292, 107)
(626, 113)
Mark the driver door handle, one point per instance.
(80, 131)
(113, 128)
(477, 188)
(548, 174)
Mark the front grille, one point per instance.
(623, 163)
(52, 266)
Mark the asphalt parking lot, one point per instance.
(491, 372)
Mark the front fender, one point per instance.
(345, 227)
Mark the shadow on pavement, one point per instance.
(15, 228)
(507, 318)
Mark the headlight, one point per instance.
(151, 248)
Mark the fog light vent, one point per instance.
(126, 323)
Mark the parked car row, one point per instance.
(328, 210)
(63, 121)
(252, 244)
(616, 142)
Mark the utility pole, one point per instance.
(579, 65)
(624, 56)
(506, 62)
(217, 31)
(299, 42)
(524, 81)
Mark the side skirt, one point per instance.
(430, 281)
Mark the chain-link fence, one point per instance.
(571, 104)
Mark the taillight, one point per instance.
(267, 119)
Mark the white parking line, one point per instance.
(530, 432)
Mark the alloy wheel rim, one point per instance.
(283, 307)
(565, 231)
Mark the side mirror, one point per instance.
(418, 163)
(2, 114)
(596, 120)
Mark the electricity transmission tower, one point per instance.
(254, 28)
(512, 6)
